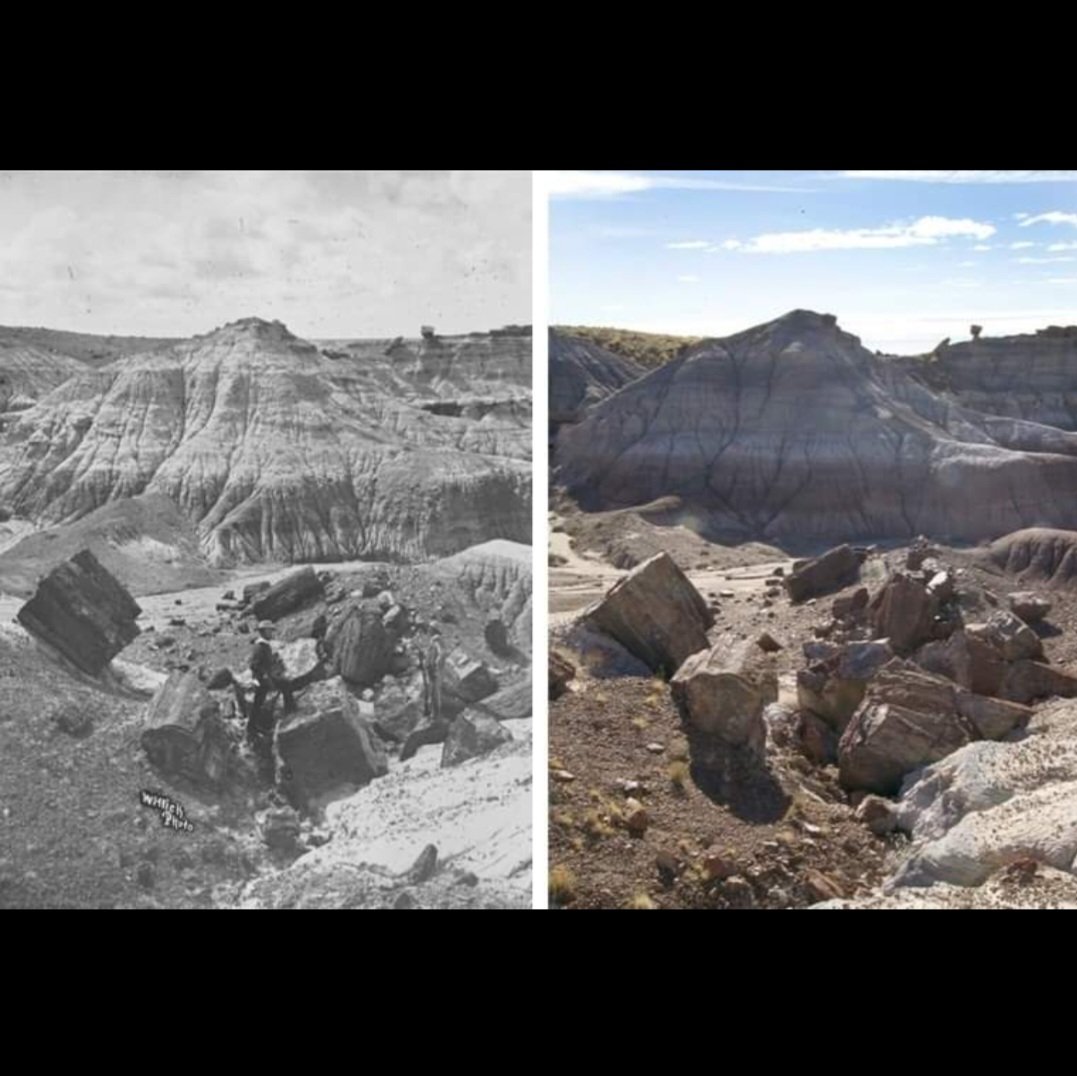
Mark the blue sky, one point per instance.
(903, 258)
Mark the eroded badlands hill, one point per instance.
(276, 450)
(582, 374)
(794, 432)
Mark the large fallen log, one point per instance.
(83, 611)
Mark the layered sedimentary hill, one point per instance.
(27, 373)
(1032, 376)
(582, 374)
(276, 450)
(794, 432)
(145, 542)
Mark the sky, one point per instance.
(903, 258)
(331, 254)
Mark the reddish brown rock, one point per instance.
(836, 568)
(852, 605)
(966, 658)
(1030, 607)
(721, 692)
(83, 611)
(1014, 639)
(908, 719)
(904, 612)
(834, 685)
(656, 614)
(1026, 681)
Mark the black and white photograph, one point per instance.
(265, 539)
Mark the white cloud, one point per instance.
(1021, 246)
(1054, 217)
(688, 279)
(1063, 280)
(983, 246)
(1042, 261)
(329, 253)
(691, 244)
(967, 265)
(962, 282)
(615, 184)
(1062, 246)
(967, 177)
(927, 231)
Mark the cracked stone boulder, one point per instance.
(721, 694)
(327, 752)
(83, 611)
(967, 658)
(910, 718)
(1027, 681)
(467, 679)
(904, 612)
(835, 569)
(833, 686)
(1029, 606)
(293, 592)
(511, 703)
(362, 648)
(183, 732)
(1013, 638)
(472, 734)
(656, 614)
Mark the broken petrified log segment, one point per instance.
(509, 704)
(1026, 681)
(184, 733)
(910, 718)
(1030, 607)
(904, 612)
(836, 568)
(83, 611)
(497, 637)
(656, 614)
(291, 593)
(834, 685)
(721, 694)
(966, 658)
(361, 647)
(326, 751)
(466, 679)
(1014, 639)
(472, 734)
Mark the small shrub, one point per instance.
(562, 885)
(679, 772)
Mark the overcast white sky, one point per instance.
(331, 254)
